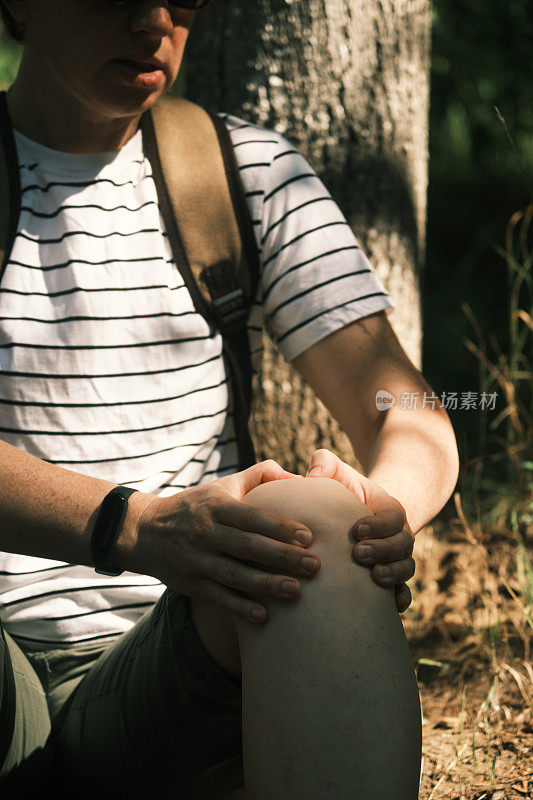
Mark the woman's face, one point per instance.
(72, 47)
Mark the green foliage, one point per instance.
(10, 55)
(481, 58)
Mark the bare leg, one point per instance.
(331, 709)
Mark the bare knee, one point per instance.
(327, 507)
(329, 510)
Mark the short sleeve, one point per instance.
(315, 278)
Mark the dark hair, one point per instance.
(15, 29)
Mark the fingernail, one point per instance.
(364, 550)
(303, 537)
(310, 564)
(288, 587)
(314, 471)
(384, 572)
(363, 531)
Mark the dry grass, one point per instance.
(470, 635)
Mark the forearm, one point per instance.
(413, 456)
(49, 512)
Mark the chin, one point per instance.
(132, 101)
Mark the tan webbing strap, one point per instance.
(202, 201)
(197, 184)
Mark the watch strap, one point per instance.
(107, 528)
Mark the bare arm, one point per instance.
(49, 512)
(196, 542)
(411, 454)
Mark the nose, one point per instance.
(153, 17)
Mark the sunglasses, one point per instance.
(191, 4)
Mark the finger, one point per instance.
(381, 551)
(246, 517)
(251, 579)
(231, 601)
(240, 483)
(323, 462)
(398, 571)
(403, 597)
(331, 466)
(383, 524)
(267, 553)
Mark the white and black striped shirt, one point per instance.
(107, 369)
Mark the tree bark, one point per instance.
(347, 82)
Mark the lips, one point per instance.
(140, 66)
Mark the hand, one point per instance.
(388, 531)
(197, 542)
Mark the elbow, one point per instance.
(449, 455)
(456, 466)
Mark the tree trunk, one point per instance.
(347, 82)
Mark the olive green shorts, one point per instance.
(151, 713)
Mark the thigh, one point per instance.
(24, 721)
(156, 713)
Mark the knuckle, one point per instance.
(245, 545)
(410, 541)
(244, 523)
(401, 513)
(203, 531)
(242, 609)
(230, 572)
(199, 531)
(249, 515)
(285, 553)
(322, 451)
(220, 599)
(269, 584)
(212, 505)
(398, 513)
(322, 456)
(193, 535)
(377, 571)
(270, 462)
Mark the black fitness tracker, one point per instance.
(107, 528)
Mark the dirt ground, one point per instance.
(470, 629)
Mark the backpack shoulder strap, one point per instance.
(205, 211)
(10, 192)
(191, 150)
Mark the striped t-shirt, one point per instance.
(107, 369)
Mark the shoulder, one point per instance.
(254, 143)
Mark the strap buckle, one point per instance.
(229, 301)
